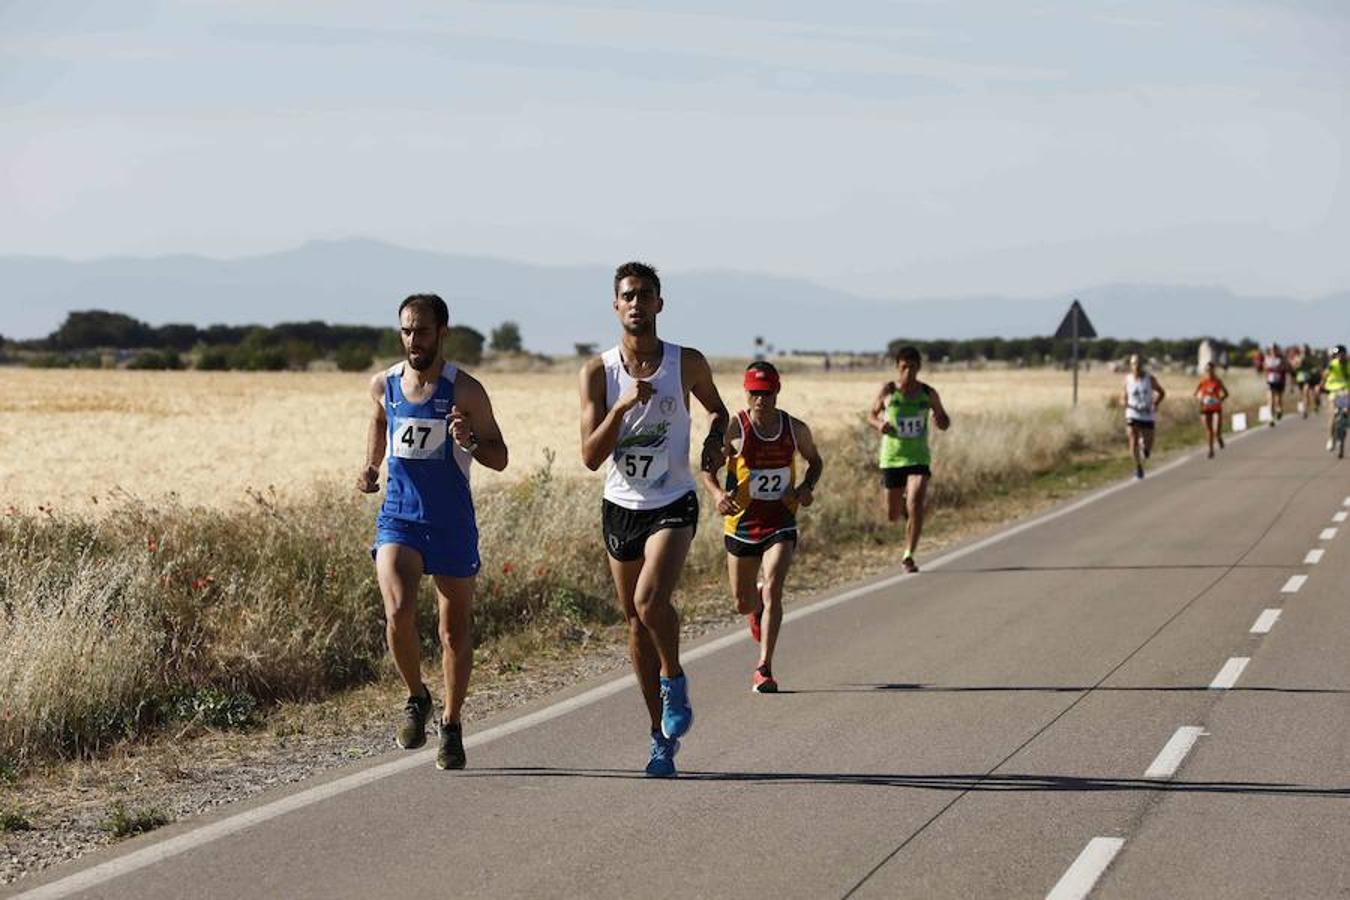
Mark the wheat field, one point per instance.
(72, 440)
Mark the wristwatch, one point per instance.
(472, 445)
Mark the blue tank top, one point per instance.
(428, 479)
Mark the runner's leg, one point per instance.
(641, 650)
(398, 569)
(664, 553)
(916, 490)
(454, 598)
(742, 572)
(777, 560)
(1147, 437)
(895, 503)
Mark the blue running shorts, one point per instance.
(443, 552)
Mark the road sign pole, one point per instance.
(1075, 360)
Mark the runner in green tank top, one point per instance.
(901, 413)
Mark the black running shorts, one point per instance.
(626, 530)
(745, 549)
(1139, 423)
(898, 477)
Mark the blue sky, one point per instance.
(904, 149)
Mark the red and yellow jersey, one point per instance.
(761, 478)
(1211, 393)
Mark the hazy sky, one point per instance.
(896, 148)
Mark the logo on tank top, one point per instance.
(441, 405)
(667, 405)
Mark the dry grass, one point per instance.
(161, 610)
(72, 439)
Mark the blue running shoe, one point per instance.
(662, 762)
(676, 716)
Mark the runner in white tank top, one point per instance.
(649, 467)
(1140, 398)
(635, 416)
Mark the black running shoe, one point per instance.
(413, 732)
(450, 754)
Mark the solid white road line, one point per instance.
(162, 850)
(1327, 534)
(1314, 557)
(1265, 621)
(1340, 516)
(1174, 751)
(1293, 584)
(1230, 673)
(1078, 881)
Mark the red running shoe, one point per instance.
(755, 627)
(762, 682)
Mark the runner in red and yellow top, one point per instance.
(1212, 393)
(760, 500)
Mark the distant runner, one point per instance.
(434, 419)
(1212, 393)
(1307, 375)
(760, 503)
(1141, 398)
(1336, 385)
(1276, 368)
(635, 414)
(900, 412)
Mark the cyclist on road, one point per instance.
(1336, 385)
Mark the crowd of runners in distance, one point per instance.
(430, 420)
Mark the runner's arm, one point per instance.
(599, 426)
(1158, 389)
(471, 400)
(806, 446)
(876, 417)
(723, 501)
(700, 383)
(368, 482)
(940, 417)
(1223, 392)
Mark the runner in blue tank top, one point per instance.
(432, 420)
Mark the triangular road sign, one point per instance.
(1085, 329)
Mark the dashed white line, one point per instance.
(1174, 751)
(1293, 584)
(1340, 516)
(1078, 881)
(1327, 534)
(1265, 621)
(1229, 674)
(1314, 557)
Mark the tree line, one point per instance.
(1048, 350)
(85, 337)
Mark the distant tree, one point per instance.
(506, 338)
(585, 349)
(354, 358)
(464, 345)
(214, 358)
(177, 336)
(156, 359)
(94, 328)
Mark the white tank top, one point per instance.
(1139, 397)
(650, 464)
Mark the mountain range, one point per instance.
(361, 281)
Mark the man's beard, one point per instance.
(646, 326)
(422, 363)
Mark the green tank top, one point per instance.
(908, 417)
(1337, 377)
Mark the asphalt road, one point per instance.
(994, 726)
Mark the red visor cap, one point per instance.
(760, 380)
